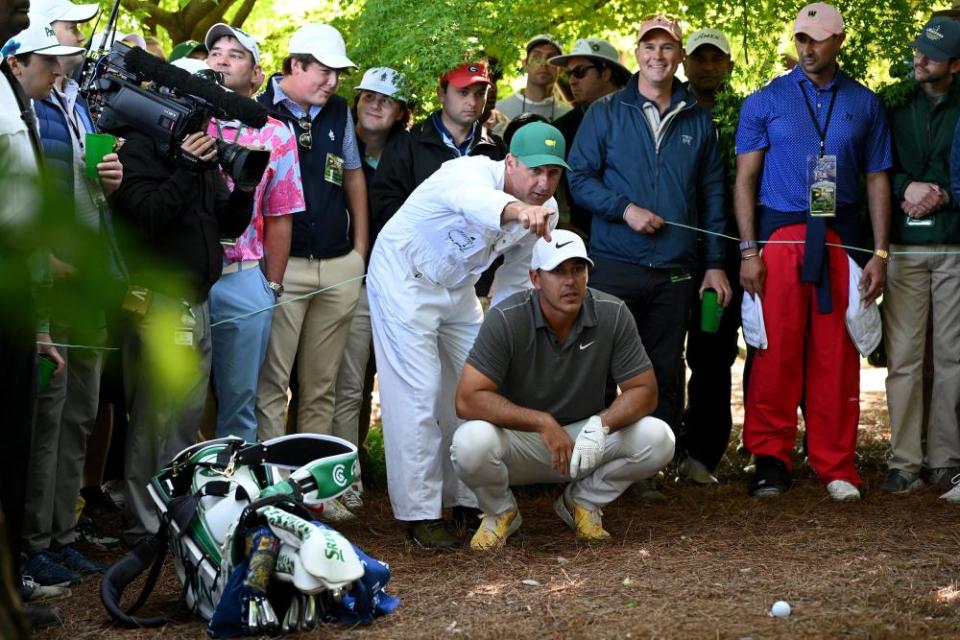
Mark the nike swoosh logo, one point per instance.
(586, 346)
(563, 244)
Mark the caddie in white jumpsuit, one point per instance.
(533, 390)
(425, 314)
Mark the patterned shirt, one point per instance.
(776, 119)
(351, 154)
(279, 193)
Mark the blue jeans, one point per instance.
(239, 346)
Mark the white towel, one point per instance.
(751, 319)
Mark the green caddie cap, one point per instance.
(539, 143)
(184, 49)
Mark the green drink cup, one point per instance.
(710, 312)
(96, 146)
(45, 367)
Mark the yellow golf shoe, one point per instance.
(587, 523)
(495, 529)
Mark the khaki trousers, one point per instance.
(915, 285)
(312, 330)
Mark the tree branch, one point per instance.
(242, 13)
(155, 15)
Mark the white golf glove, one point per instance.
(588, 449)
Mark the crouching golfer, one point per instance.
(533, 392)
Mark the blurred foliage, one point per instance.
(376, 469)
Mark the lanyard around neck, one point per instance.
(816, 123)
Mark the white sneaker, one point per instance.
(352, 499)
(954, 494)
(334, 511)
(843, 491)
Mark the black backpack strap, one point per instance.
(117, 578)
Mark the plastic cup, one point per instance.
(97, 145)
(45, 367)
(710, 312)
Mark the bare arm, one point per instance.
(637, 399)
(749, 165)
(355, 187)
(478, 399)
(878, 199)
(277, 231)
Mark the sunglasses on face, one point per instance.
(305, 139)
(581, 72)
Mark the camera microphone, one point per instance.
(232, 106)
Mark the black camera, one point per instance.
(172, 107)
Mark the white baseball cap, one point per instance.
(221, 29)
(593, 48)
(324, 43)
(65, 10)
(562, 246)
(38, 38)
(713, 37)
(383, 80)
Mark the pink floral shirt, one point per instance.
(279, 193)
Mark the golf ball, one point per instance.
(780, 609)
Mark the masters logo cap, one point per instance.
(38, 38)
(467, 74)
(664, 24)
(324, 43)
(819, 21)
(246, 41)
(537, 144)
(594, 49)
(939, 40)
(563, 245)
(383, 80)
(713, 37)
(185, 48)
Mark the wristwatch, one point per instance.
(748, 244)
(883, 254)
(277, 289)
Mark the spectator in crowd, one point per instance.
(534, 400)
(451, 132)
(382, 113)
(154, 47)
(240, 299)
(67, 407)
(21, 150)
(426, 314)
(814, 115)
(925, 276)
(323, 256)
(707, 420)
(645, 157)
(177, 207)
(189, 49)
(594, 69)
(540, 95)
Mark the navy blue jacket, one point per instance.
(615, 162)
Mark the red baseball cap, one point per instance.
(467, 74)
(664, 24)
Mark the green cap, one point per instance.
(539, 143)
(184, 49)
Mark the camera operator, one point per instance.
(176, 206)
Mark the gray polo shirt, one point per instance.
(519, 352)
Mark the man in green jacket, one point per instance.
(925, 272)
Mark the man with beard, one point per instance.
(539, 96)
(925, 229)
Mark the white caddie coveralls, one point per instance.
(425, 317)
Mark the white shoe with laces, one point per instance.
(843, 491)
(954, 494)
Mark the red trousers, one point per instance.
(810, 356)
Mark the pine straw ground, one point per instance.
(706, 564)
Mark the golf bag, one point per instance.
(239, 519)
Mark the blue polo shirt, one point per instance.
(776, 119)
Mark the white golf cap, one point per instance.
(64, 10)
(324, 43)
(593, 48)
(383, 80)
(38, 38)
(713, 37)
(221, 29)
(562, 246)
